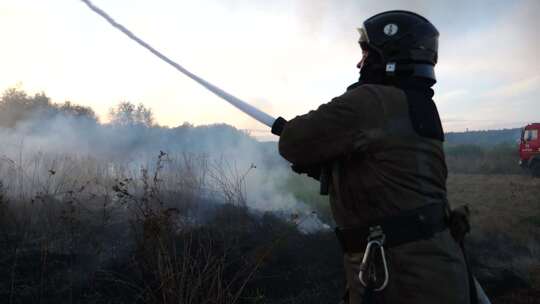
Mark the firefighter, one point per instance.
(382, 141)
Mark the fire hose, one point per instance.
(260, 116)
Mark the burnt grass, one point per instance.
(144, 247)
(235, 257)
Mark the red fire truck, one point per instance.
(529, 149)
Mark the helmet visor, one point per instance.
(364, 39)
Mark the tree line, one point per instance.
(17, 106)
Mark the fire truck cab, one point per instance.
(529, 148)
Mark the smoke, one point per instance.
(59, 153)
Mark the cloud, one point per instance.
(451, 96)
(497, 64)
(514, 89)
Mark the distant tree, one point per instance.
(70, 109)
(185, 126)
(16, 105)
(144, 115)
(484, 138)
(128, 114)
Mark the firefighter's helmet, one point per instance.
(405, 42)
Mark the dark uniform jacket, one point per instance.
(380, 167)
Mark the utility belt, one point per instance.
(410, 226)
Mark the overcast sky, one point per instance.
(284, 56)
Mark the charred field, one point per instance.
(154, 238)
(182, 232)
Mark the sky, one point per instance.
(284, 56)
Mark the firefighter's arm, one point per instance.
(330, 131)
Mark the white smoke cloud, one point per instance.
(56, 154)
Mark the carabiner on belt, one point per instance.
(376, 238)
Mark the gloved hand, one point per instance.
(278, 126)
(459, 223)
(313, 171)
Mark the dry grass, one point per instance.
(512, 197)
(75, 217)
(78, 229)
(505, 236)
(509, 203)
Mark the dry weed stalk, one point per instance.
(178, 263)
(230, 182)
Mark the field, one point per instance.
(77, 230)
(131, 212)
(505, 236)
(151, 237)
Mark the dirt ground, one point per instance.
(505, 234)
(499, 202)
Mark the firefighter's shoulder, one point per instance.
(370, 95)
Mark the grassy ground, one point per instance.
(505, 236)
(75, 235)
